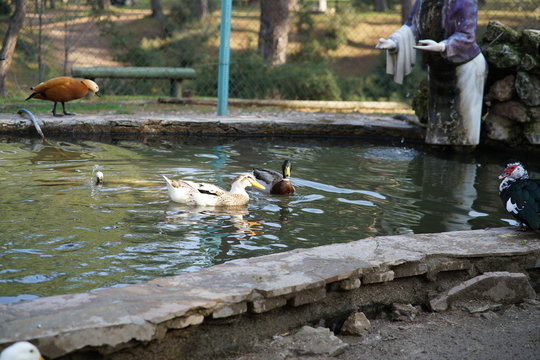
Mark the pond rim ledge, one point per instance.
(231, 306)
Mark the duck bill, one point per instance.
(257, 185)
(505, 173)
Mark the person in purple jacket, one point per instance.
(445, 30)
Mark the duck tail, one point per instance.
(169, 181)
(31, 96)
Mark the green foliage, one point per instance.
(320, 35)
(367, 5)
(301, 82)
(381, 86)
(249, 77)
(5, 9)
(185, 12)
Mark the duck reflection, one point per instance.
(212, 217)
(217, 230)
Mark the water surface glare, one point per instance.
(61, 233)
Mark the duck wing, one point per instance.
(209, 189)
(268, 176)
(522, 200)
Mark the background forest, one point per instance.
(280, 49)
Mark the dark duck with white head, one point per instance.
(520, 195)
(274, 182)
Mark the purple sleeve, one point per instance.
(461, 17)
(412, 20)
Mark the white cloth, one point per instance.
(399, 63)
(471, 77)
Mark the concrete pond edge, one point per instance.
(232, 305)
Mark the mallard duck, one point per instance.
(276, 183)
(22, 350)
(203, 194)
(62, 89)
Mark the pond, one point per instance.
(62, 233)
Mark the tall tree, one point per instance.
(274, 31)
(10, 40)
(201, 9)
(157, 10)
(380, 5)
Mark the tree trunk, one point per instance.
(380, 5)
(406, 6)
(104, 4)
(201, 9)
(274, 31)
(322, 6)
(10, 40)
(157, 10)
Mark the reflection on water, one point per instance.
(62, 232)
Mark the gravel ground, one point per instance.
(513, 332)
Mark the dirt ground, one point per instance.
(512, 332)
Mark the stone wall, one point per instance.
(512, 96)
(234, 305)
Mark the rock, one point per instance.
(502, 90)
(500, 128)
(502, 56)
(497, 32)
(531, 42)
(403, 312)
(356, 324)
(513, 110)
(497, 287)
(528, 62)
(527, 86)
(535, 113)
(312, 342)
(532, 132)
(477, 306)
(490, 315)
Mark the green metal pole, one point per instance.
(224, 56)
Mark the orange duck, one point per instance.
(62, 89)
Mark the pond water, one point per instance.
(61, 233)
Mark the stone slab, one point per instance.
(115, 317)
(499, 287)
(160, 124)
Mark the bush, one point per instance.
(301, 82)
(248, 74)
(380, 86)
(5, 9)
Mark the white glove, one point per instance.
(430, 45)
(386, 44)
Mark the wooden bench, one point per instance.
(175, 75)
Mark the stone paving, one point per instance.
(111, 320)
(270, 124)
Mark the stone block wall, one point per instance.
(234, 305)
(512, 95)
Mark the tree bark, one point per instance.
(201, 9)
(380, 5)
(406, 6)
(10, 40)
(274, 31)
(104, 4)
(157, 10)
